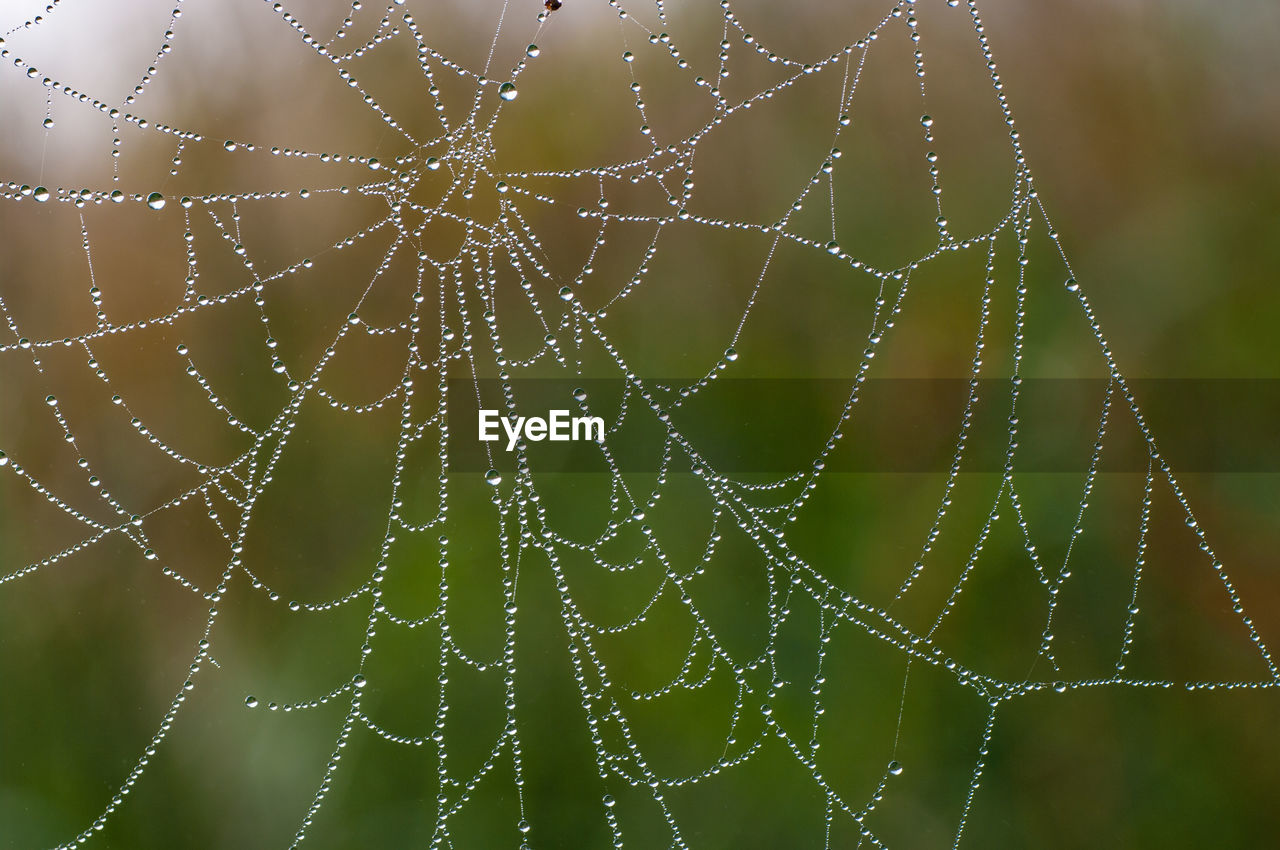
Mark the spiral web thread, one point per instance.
(464, 285)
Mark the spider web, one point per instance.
(335, 318)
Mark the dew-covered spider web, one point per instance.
(263, 586)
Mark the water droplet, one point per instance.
(359, 680)
(926, 121)
(507, 91)
(41, 194)
(48, 123)
(156, 201)
(1060, 687)
(229, 145)
(433, 164)
(523, 826)
(895, 768)
(566, 294)
(251, 701)
(1072, 286)
(493, 477)
(117, 196)
(532, 51)
(731, 354)
(609, 801)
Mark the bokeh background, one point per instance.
(1153, 133)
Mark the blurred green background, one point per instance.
(1152, 132)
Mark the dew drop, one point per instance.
(731, 354)
(48, 123)
(251, 701)
(117, 196)
(156, 201)
(493, 478)
(926, 121)
(532, 51)
(229, 145)
(895, 768)
(566, 294)
(1060, 687)
(507, 91)
(41, 194)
